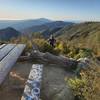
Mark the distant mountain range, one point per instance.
(44, 26)
(22, 24)
(47, 28)
(8, 33)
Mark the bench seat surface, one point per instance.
(9, 59)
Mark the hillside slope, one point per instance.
(22, 24)
(86, 34)
(47, 27)
(8, 33)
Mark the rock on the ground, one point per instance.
(64, 94)
(54, 86)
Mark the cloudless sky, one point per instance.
(53, 9)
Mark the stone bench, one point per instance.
(8, 56)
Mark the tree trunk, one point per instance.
(68, 63)
(53, 59)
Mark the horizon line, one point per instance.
(77, 20)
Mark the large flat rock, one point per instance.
(54, 86)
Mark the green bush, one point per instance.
(87, 87)
(62, 47)
(77, 86)
(44, 46)
(83, 53)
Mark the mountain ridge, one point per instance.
(8, 33)
(83, 35)
(21, 24)
(47, 26)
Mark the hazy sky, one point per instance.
(52, 9)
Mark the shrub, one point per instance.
(44, 46)
(77, 86)
(84, 52)
(62, 47)
(73, 51)
(88, 86)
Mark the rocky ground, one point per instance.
(53, 85)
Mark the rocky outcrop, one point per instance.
(54, 86)
(64, 93)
